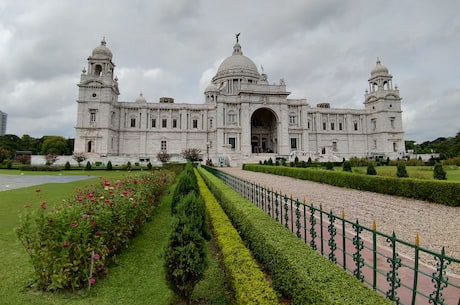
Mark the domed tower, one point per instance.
(234, 71)
(97, 112)
(384, 120)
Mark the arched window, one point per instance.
(98, 70)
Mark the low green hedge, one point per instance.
(247, 280)
(297, 271)
(437, 191)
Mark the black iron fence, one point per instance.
(373, 257)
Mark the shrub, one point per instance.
(67, 165)
(149, 166)
(71, 244)
(186, 183)
(191, 154)
(163, 156)
(371, 169)
(88, 165)
(438, 172)
(346, 166)
(270, 161)
(401, 171)
(329, 166)
(109, 165)
(79, 157)
(245, 277)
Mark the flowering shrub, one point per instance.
(71, 244)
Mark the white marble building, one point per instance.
(243, 117)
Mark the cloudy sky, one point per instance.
(323, 49)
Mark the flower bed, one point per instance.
(71, 244)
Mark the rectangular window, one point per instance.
(293, 143)
(324, 126)
(355, 126)
(154, 123)
(292, 119)
(392, 122)
(92, 117)
(163, 145)
(164, 123)
(174, 123)
(232, 142)
(334, 146)
(195, 123)
(332, 126)
(374, 124)
(340, 126)
(133, 122)
(308, 124)
(232, 118)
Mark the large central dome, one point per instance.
(237, 65)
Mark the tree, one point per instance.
(346, 166)
(438, 172)
(191, 154)
(401, 171)
(79, 157)
(55, 145)
(371, 169)
(5, 154)
(163, 156)
(51, 158)
(109, 165)
(185, 255)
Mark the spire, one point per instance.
(237, 47)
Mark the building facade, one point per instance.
(242, 117)
(3, 118)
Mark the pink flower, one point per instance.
(65, 244)
(98, 233)
(38, 190)
(90, 195)
(96, 256)
(43, 205)
(93, 223)
(84, 216)
(92, 281)
(73, 223)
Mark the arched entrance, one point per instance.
(264, 131)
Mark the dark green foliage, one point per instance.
(438, 172)
(128, 166)
(401, 171)
(296, 160)
(185, 258)
(309, 160)
(149, 166)
(192, 207)
(270, 161)
(346, 166)
(109, 165)
(67, 165)
(186, 183)
(371, 169)
(329, 166)
(88, 165)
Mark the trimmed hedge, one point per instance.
(246, 279)
(443, 192)
(297, 271)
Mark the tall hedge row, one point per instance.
(297, 271)
(437, 191)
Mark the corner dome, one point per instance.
(102, 51)
(141, 99)
(211, 88)
(237, 65)
(379, 69)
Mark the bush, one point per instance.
(401, 171)
(438, 172)
(245, 277)
(88, 166)
(296, 270)
(67, 165)
(346, 166)
(329, 166)
(109, 166)
(186, 183)
(371, 169)
(191, 154)
(71, 244)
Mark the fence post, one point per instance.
(331, 242)
(392, 275)
(374, 255)
(312, 227)
(440, 281)
(357, 257)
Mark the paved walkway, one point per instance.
(10, 182)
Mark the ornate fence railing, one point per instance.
(387, 264)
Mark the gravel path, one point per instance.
(437, 225)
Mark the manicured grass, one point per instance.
(136, 278)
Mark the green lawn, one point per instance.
(137, 278)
